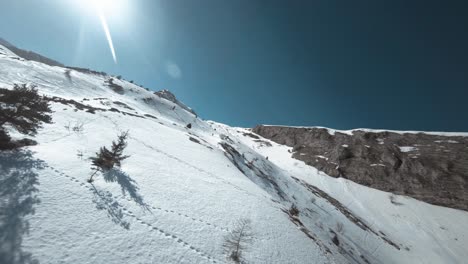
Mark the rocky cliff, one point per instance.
(429, 167)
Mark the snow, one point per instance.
(368, 130)
(448, 141)
(5, 52)
(407, 149)
(423, 227)
(322, 157)
(174, 200)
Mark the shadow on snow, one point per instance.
(18, 188)
(127, 185)
(105, 201)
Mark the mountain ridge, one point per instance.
(30, 55)
(430, 167)
(184, 187)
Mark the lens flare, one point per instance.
(108, 35)
(103, 9)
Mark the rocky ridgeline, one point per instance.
(431, 168)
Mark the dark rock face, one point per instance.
(430, 168)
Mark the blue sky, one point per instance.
(342, 64)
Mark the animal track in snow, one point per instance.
(140, 221)
(197, 168)
(185, 216)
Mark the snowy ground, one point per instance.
(182, 190)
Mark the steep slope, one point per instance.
(166, 94)
(182, 189)
(432, 167)
(29, 55)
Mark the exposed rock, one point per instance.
(166, 94)
(194, 140)
(431, 168)
(117, 88)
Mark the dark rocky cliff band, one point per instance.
(430, 168)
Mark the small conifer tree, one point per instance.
(24, 110)
(106, 159)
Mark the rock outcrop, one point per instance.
(431, 168)
(166, 94)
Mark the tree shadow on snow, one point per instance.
(127, 184)
(105, 201)
(18, 188)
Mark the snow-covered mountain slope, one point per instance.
(183, 189)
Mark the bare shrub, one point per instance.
(293, 210)
(236, 242)
(77, 127)
(79, 154)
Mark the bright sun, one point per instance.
(104, 9)
(101, 4)
(107, 7)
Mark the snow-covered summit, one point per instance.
(183, 188)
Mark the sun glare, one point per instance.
(104, 9)
(102, 4)
(115, 8)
